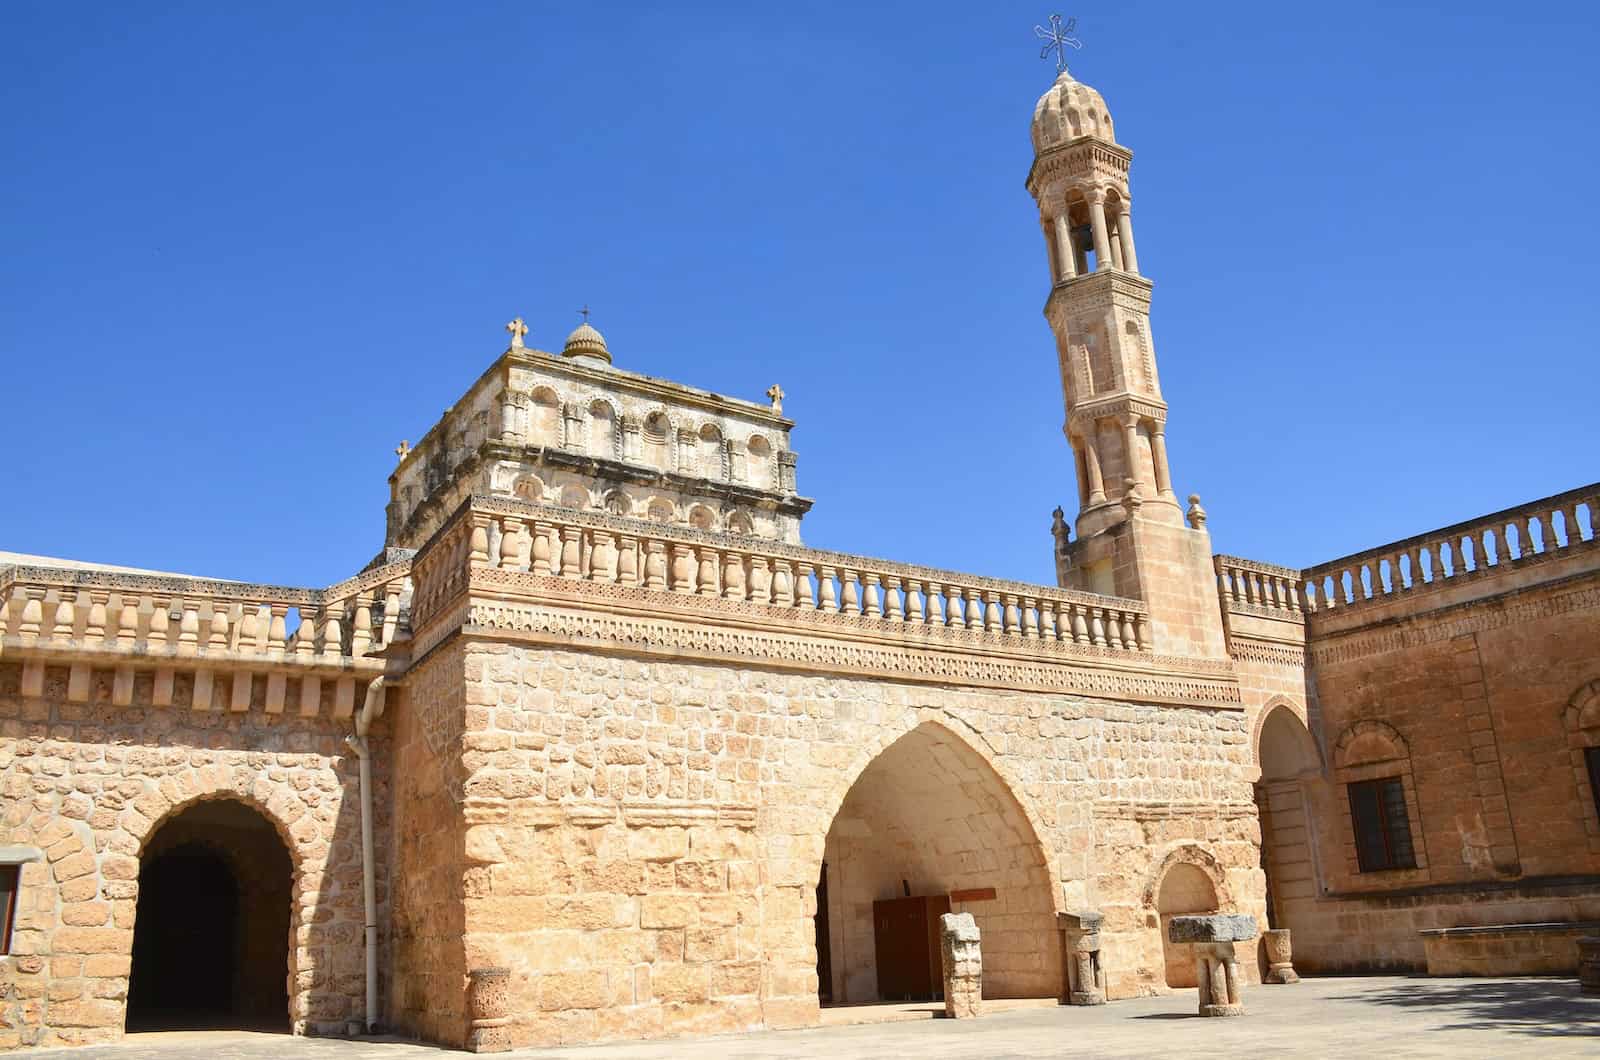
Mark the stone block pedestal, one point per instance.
(963, 965)
(1216, 967)
(1280, 967)
(1086, 978)
(489, 1009)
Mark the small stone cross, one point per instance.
(517, 329)
(775, 393)
(402, 449)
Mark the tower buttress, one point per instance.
(1132, 539)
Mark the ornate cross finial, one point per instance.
(775, 394)
(1058, 38)
(517, 329)
(585, 312)
(402, 449)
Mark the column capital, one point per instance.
(1095, 194)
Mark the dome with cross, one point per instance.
(1068, 111)
(587, 344)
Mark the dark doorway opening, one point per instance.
(211, 930)
(824, 958)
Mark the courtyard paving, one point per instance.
(1355, 1017)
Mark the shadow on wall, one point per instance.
(1541, 1006)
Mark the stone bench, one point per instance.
(1216, 966)
(1506, 949)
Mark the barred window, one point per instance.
(1383, 829)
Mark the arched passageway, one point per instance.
(929, 817)
(211, 928)
(1185, 889)
(1285, 752)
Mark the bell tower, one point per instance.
(1132, 539)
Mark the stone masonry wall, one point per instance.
(90, 783)
(645, 837)
(1471, 707)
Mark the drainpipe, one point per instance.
(371, 710)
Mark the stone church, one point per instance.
(595, 747)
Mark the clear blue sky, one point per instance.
(245, 249)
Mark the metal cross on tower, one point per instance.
(1058, 39)
(585, 312)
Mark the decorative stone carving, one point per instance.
(1086, 977)
(1216, 967)
(488, 1007)
(1280, 968)
(1589, 965)
(963, 965)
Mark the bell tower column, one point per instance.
(1132, 539)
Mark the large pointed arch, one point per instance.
(927, 811)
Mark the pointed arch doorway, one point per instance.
(931, 818)
(211, 925)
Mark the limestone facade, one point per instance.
(596, 748)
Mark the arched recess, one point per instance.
(603, 436)
(1581, 720)
(1285, 753)
(213, 921)
(1189, 880)
(931, 814)
(544, 426)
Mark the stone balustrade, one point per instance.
(87, 618)
(1527, 533)
(562, 542)
(1250, 587)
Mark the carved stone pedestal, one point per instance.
(1280, 968)
(488, 1007)
(963, 965)
(1589, 964)
(1086, 979)
(1216, 967)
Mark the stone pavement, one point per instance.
(1333, 1018)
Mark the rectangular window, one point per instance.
(1383, 829)
(1591, 758)
(9, 875)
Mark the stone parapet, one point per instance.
(521, 571)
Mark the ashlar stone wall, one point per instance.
(644, 837)
(89, 784)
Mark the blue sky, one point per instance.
(245, 249)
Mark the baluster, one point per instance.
(828, 601)
(1079, 624)
(872, 602)
(160, 622)
(95, 627)
(510, 543)
(1141, 628)
(1529, 547)
(361, 627)
(1097, 627)
(1297, 595)
(628, 559)
(655, 564)
(1048, 612)
(804, 597)
(1030, 623)
(541, 547)
(893, 606)
(32, 614)
(571, 552)
(993, 619)
(478, 542)
(1113, 629)
(1224, 585)
(958, 608)
(66, 616)
(916, 599)
(782, 583)
(1130, 639)
(218, 638)
(1009, 615)
(683, 568)
(709, 576)
(189, 628)
(733, 576)
(851, 592)
(277, 624)
(602, 557)
(933, 596)
(333, 629)
(128, 621)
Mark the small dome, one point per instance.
(585, 341)
(1069, 110)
